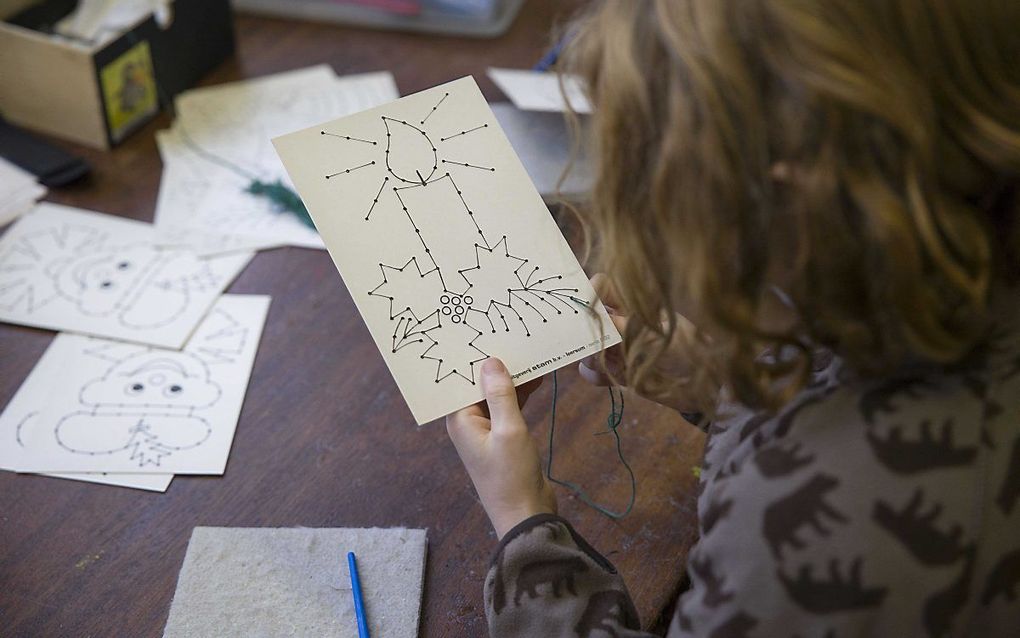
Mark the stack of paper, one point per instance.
(19, 191)
(148, 377)
(157, 389)
(220, 143)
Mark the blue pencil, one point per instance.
(359, 602)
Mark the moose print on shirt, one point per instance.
(928, 451)
(917, 531)
(841, 590)
(804, 508)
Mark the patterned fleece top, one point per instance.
(862, 509)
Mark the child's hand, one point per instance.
(499, 453)
(602, 370)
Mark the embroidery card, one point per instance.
(445, 245)
(126, 408)
(22, 413)
(68, 269)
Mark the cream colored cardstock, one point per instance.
(125, 408)
(445, 245)
(69, 269)
(21, 415)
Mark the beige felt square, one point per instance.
(262, 582)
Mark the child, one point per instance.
(807, 212)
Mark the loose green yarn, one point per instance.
(613, 422)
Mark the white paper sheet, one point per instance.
(544, 145)
(127, 408)
(68, 269)
(538, 91)
(221, 141)
(446, 247)
(19, 191)
(101, 21)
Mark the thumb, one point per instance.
(500, 395)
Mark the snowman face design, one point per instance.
(154, 380)
(102, 282)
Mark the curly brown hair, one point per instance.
(863, 155)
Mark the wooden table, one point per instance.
(324, 439)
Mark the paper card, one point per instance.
(220, 142)
(135, 409)
(19, 191)
(69, 269)
(22, 415)
(446, 247)
(295, 582)
(544, 145)
(539, 91)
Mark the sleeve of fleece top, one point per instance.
(546, 580)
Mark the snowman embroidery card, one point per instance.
(121, 407)
(68, 269)
(445, 245)
(21, 415)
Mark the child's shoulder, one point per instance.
(892, 497)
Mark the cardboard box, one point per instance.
(98, 95)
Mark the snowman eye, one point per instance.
(107, 284)
(124, 265)
(173, 390)
(134, 389)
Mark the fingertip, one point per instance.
(619, 321)
(591, 376)
(495, 376)
(493, 366)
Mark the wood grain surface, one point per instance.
(324, 439)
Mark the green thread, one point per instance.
(282, 197)
(613, 422)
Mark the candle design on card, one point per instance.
(443, 301)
